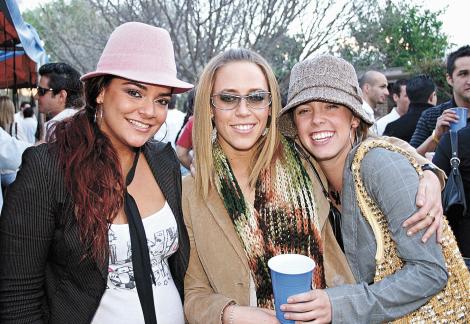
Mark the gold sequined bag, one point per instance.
(450, 305)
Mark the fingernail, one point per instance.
(424, 240)
(409, 233)
(404, 225)
(283, 308)
(290, 300)
(286, 316)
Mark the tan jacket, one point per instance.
(218, 271)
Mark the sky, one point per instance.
(455, 18)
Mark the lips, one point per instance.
(138, 125)
(321, 137)
(243, 127)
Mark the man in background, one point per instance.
(59, 93)
(374, 87)
(435, 121)
(421, 91)
(402, 102)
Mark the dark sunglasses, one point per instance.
(42, 91)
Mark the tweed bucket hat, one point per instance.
(142, 53)
(322, 78)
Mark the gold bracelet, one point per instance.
(434, 137)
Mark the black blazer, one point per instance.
(404, 127)
(44, 277)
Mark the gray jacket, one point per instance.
(392, 182)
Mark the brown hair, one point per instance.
(92, 171)
(7, 112)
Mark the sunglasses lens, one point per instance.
(41, 91)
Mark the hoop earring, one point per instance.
(357, 139)
(213, 135)
(164, 136)
(350, 138)
(95, 119)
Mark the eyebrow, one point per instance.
(249, 91)
(144, 87)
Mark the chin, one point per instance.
(137, 142)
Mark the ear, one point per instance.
(62, 96)
(100, 98)
(433, 98)
(355, 122)
(395, 97)
(449, 80)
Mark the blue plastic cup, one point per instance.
(291, 274)
(462, 112)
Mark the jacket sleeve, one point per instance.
(421, 159)
(26, 229)
(392, 183)
(201, 304)
(10, 151)
(422, 131)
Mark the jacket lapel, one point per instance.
(161, 168)
(219, 213)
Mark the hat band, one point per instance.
(323, 81)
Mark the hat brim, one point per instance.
(325, 94)
(178, 86)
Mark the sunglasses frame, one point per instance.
(240, 97)
(42, 91)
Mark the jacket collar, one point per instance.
(159, 157)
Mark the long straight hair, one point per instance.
(7, 112)
(266, 147)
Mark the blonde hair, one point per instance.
(266, 146)
(7, 112)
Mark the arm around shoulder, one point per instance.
(392, 182)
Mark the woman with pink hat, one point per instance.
(103, 239)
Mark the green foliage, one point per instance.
(399, 35)
(72, 31)
(282, 54)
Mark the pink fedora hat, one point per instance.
(142, 53)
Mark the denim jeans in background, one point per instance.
(6, 179)
(467, 263)
(1, 195)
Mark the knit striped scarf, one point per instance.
(282, 220)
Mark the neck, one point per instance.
(401, 112)
(240, 161)
(461, 102)
(333, 168)
(126, 157)
(53, 113)
(241, 164)
(371, 104)
(334, 174)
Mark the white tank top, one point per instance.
(120, 302)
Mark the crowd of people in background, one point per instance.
(132, 205)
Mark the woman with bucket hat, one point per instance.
(104, 239)
(373, 184)
(251, 197)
